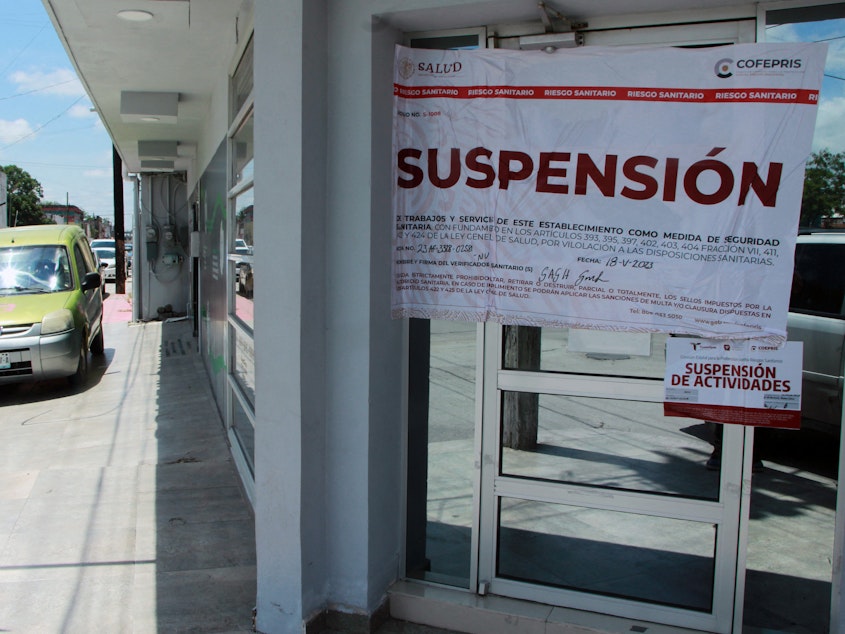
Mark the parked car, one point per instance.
(111, 243)
(96, 243)
(817, 317)
(51, 304)
(243, 268)
(108, 262)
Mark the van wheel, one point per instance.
(77, 380)
(98, 346)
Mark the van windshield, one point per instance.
(34, 269)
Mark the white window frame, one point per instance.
(234, 392)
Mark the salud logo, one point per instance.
(406, 67)
(724, 68)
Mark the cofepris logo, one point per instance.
(727, 67)
(724, 68)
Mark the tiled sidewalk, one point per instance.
(120, 508)
(117, 308)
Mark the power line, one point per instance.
(21, 52)
(67, 130)
(26, 136)
(34, 90)
(830, 39)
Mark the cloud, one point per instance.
(81, 111)
(835, 58)
(61, 81)
(11, 131)
(830, 132)
(97, 173)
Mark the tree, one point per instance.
(824, 187)
(24, 196)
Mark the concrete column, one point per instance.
(289, 313)
(329, 429)
(364, 345)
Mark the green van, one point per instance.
(51, 304)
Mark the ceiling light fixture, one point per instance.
(135, 15)
(158, 149)
(149, 107)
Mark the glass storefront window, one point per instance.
(243, 153)
(244, 431)
(242, 80)
(610, 444)
(577, 351)
(441, 449)
(244, 258)
(243, 363)
(441, 423)
(653, 559)
(241, 265)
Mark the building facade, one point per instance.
(64, 214)
(371, 448)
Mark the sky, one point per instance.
(830, 131)
(47, 126)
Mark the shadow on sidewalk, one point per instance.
(205, 575)
(120, 508)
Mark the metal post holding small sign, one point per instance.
(738, 382)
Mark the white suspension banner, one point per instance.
(638, 189)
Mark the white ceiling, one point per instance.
(188, 45)
(186, 48)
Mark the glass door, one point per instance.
(588, 497)
(591, 498)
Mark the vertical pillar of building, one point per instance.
(364, 345)
(328, 356)
(290, 459)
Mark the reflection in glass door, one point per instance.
(594, 499)
(792, 532)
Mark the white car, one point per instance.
(112, 244)
(108, 262)
(103, 242)
(817, 317)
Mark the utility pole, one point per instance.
(6, 217)
(119, 237)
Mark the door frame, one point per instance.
(729, 513)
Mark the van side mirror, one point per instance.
(91, 281)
